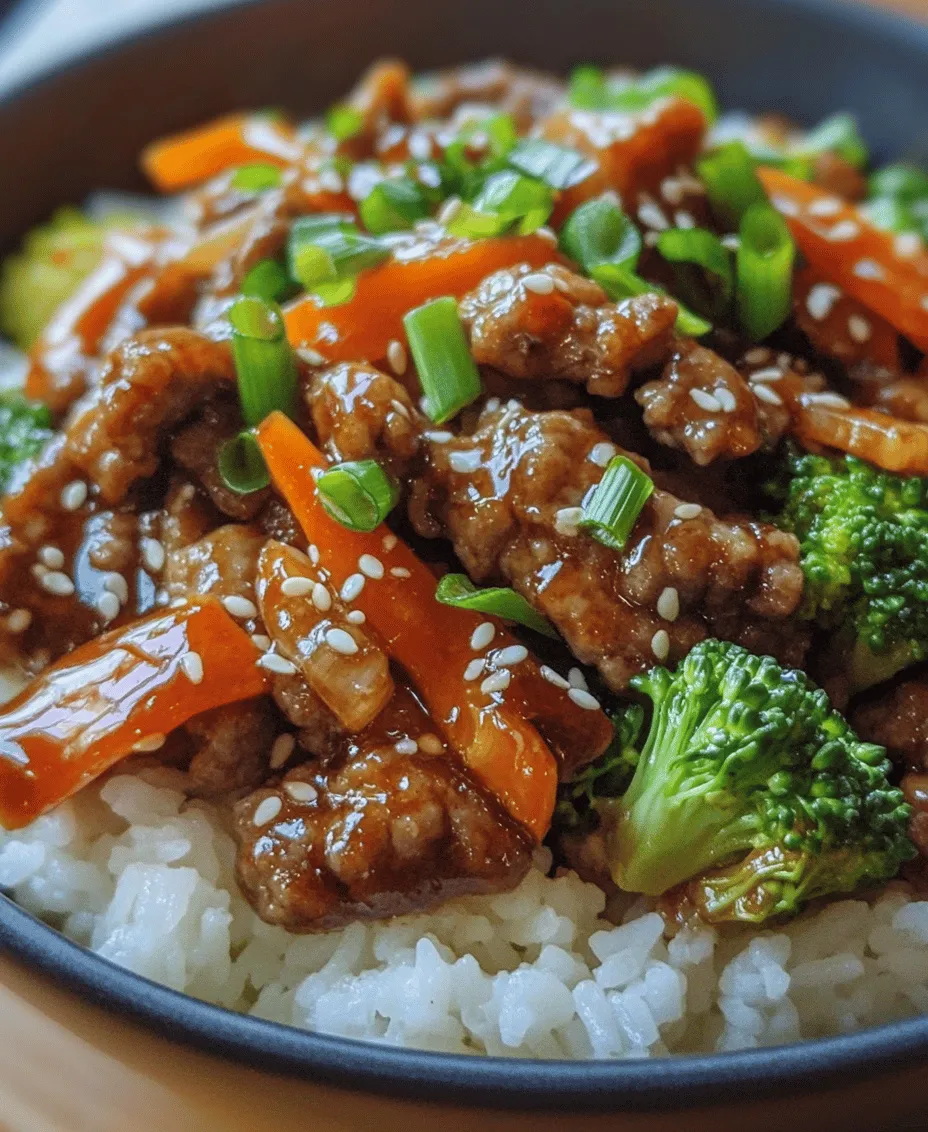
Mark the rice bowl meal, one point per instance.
(464, 569)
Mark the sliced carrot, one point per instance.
(896, 445)
(187, 159)
(420, 269)
(90, 709)
(838, 325)
(430, 640)
(846, 249)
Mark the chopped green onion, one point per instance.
(556, 165)
(620, 282)
(325, 254)
(506, 200)
(900, 181)
(732, 184)
(501, 135)
(241, 464)
(889, 213)
(358, 494)
(690, 85)
(838, 134)
(269, 280)
(447, 372)
(255, 178)
(599, 232)
(344, 122)
(264, 363)
(616, 502)
(764, 267)
(703, 248)
(499, 601)
(392, 206)
(590, 89)
(587, 88)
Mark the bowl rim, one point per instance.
(632, 1085)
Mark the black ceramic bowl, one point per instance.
(82, 127)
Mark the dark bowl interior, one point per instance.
(82, 127)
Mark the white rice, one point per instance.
(134, 871)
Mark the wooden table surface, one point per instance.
(69, 1067)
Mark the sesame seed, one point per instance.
(660, 644)
(448, 210)
(567, 519)
(117, 584)
(310, 356)
(191, 664)
(352, 587)
(396, 356)
(108, 606)
(687, 510)
(546, 233)
(54, 582)
(907, 244)
(496, 682)
(869, 269)
(371, 566)
(492, 405)
(859, 328)
(731, 240)
(652, 239)
(725, 398)
(512, 654)
(151, 743)
(439, 436)
(705, 400)
(260, 641)
(783, 204)
(844, 230)
(600, 454)
(553, 677)
(668, 604)
(576, 679)
(400, 408)
(313, 552)
(482, 636)
(651, 216)
(74, 495)
(672, 190)
(830, 400)
(281, 750)
(764, 393)
(341, 641)
(431, 744)
(465, 461)
(389, 542)
(321, 598)
(302, 791)
(297, 586)
(274, 662)
(539, 283)
(267, 809)
(406, 746)
(399, 572)
(152, 554)
(51, 557)
(240, 606)
(821, 300)
(175, 602)
(474, 669)
(771, 374)
(19, 621)
(684, 219)
(826, 206)
(331, 181)
(582, 698)
(757, 356)
(356, 616)
(784, 360)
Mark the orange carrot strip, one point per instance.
(431, 641)
(845, 248)
(186, 159)
(90, 709)
(420, 270)
(842, 327)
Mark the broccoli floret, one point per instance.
(863, 537)
(24, 428)
(753, 788)
(607, 777)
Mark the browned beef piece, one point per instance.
(187, 515)
(360, 413)
(525, 94)
(374, 833)
(233, 745)
(509, 499)
(223, 563)
(319, 731)
(898, 721)
(571, 331)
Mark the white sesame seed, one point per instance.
(400, 408)
(567, 519)
(310, 356)
(825, 206)
(869, 269)
(859, 328)
(260, 641)
(108, 606)
(356, 616)
(52, 557)
(844, 230)
(684, 219)
(771, 374)
(553, 677)
(907, 244)
(341, 641)
(687, 510)
(731, 240)
(512, 654)
(117, 584)
(352, 587)
(821, 300)
(546, 233)
(651, 216)
(431, 744)
(175, 602)
(274, 662)
(240, 607)
(396, 356)
(474, 669)
(281, 750)
(600, 454)
(539, 283)
(830, 400)
(150, 743)
(152, 554)
(576, 679)
(191, 664)
(321, 598)
(399, 572)
(786, 205)
(331, 181)
(439, 436)
(482, 636)
(448, 210)
(74, 495)
(496, 682)
(465, 461)
(660, 644)
(302, 791)
(267, 809)
(765, 393)
(784, 360)
(297, 586)
(313, 552)
(757, 355)
(668, 604)
(582, 698)
(725, 398)
(54, 582)
(389, 542)
(370, 566)
(406, 746)
(19, 621)
(672, 190)
(705, 400)
(492, 405)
